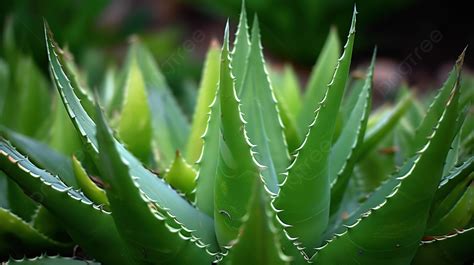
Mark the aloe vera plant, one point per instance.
(263, 175)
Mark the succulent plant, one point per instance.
(263, 175)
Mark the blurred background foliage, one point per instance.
(178, 33)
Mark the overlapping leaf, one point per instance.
(304, 198)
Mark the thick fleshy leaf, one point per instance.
(207, 163)
(150, 235)
(134, 126)
(372, 240)
(170, 126)
(55, 260)
(303, 201)
(82, 92)
(458, 217)
(90, 189)
(18, 238)
(259, 109)
(207, 93)
(20, 204)
(342, 158)
(241, 50)
(456, 176)
(320, 77)
(453, 155)
(453, 249)
(43, 156)
(237, 169)
(155, 188)
(258, 241)
(75, 211)
(437, 106)
(181, 176)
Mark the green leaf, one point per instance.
(150, 234)
(207, 163)
(43, 156)
(18, 237)
(170, 126)
(288, 90)
(76, 212)
(237, 170)
(287, 93)
(303, 201)
(241, 50)
(437, 106)
(71, 70)
(390, 233)
(342, 157)
(258, 241)
(90, 189)
(458, 216)
(384, 126)
(62, 136)
(207, 93)
(20, 204)
(453, 155)
(45, 260)
(320, 77)
(454, 249)
(155, 188)
(109, 88)
(3, 191)
(30, 91)
(181, 176)
(456, 176)
(134, 126)
(49, 225)
(260, 111)
(379, 195)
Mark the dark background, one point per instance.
(179, 31)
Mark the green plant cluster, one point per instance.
(262, 175)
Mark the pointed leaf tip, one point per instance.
(225, 42)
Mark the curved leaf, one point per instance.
(207, 93)
(134, 126)
(181, 176)
(383, 235)
(155, 188)
(303, 201)
(236, 170)
(147, 234)
(321, 75)
(258, 241)
(342, 157)
(86, 223)
(170, 126)
(90, 189)
(241, 50)
(454, 249)
(264, 126)
(18, 238)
